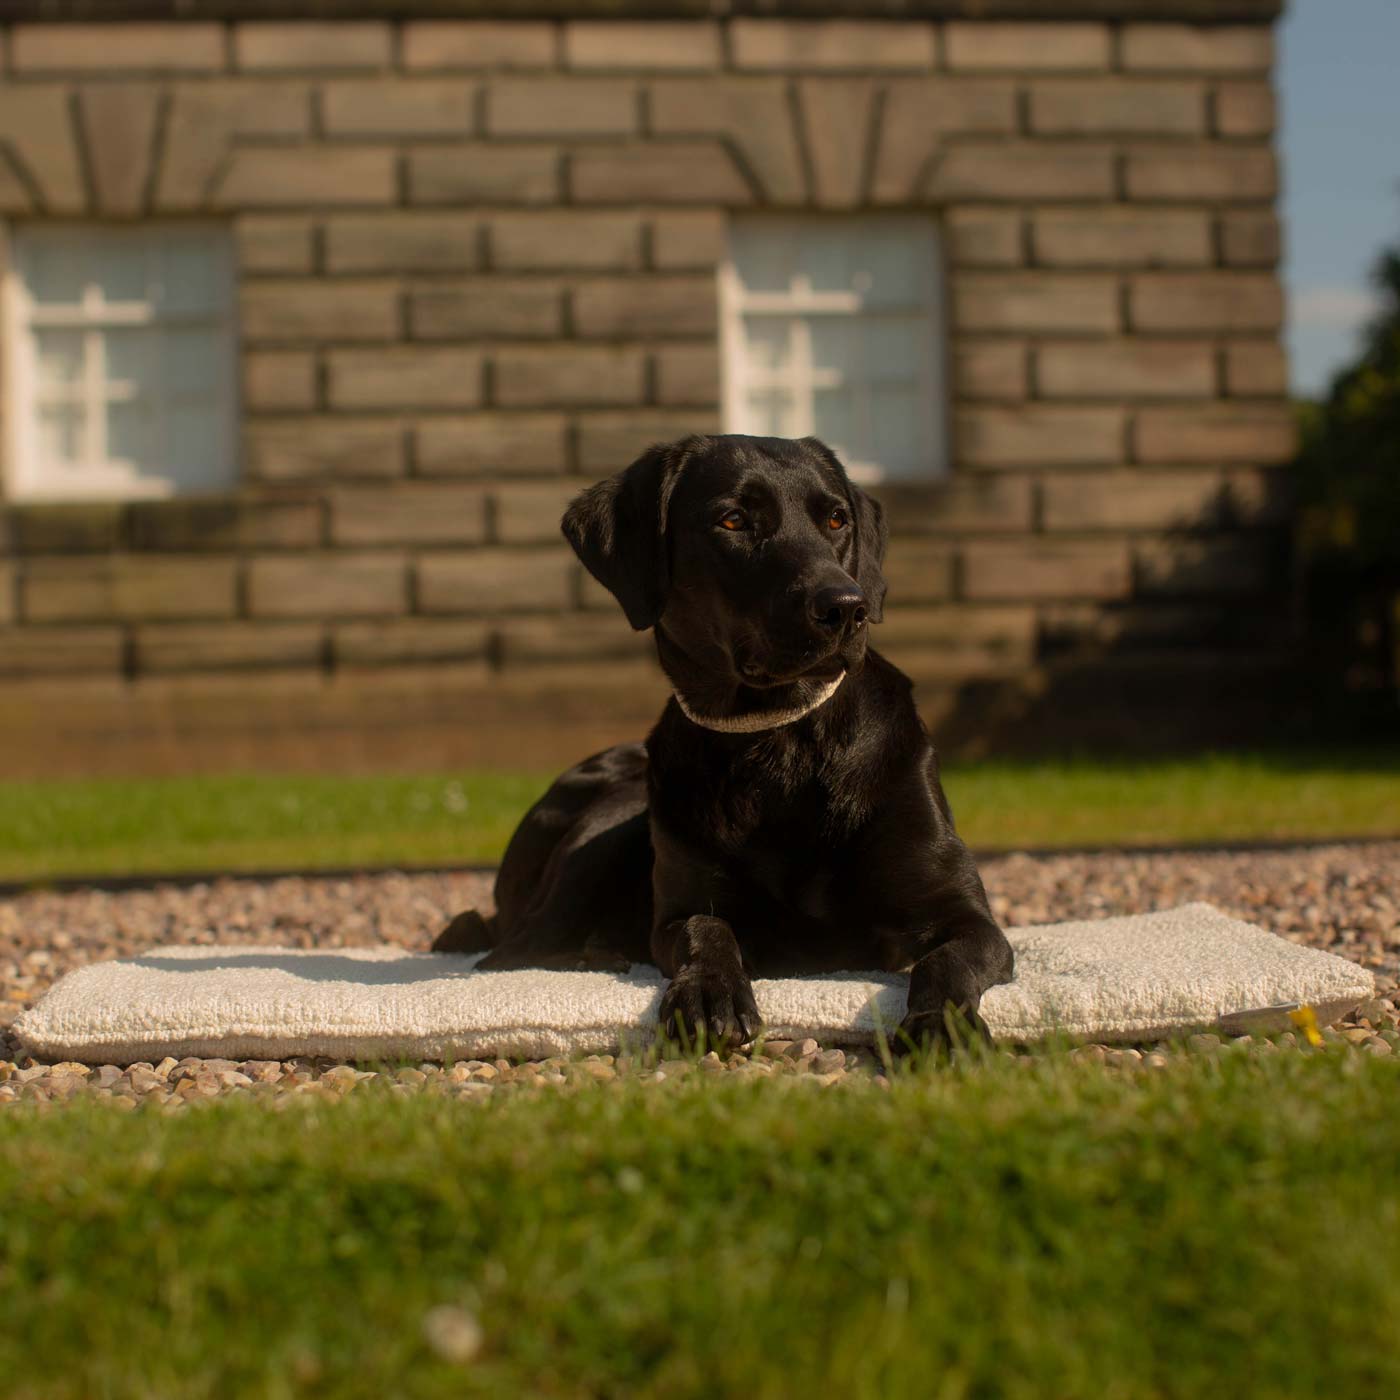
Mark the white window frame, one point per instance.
(802, 304)
(100, 477)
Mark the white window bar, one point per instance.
(875, 308)
(84, 421)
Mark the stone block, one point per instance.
(566, 375)
(1133, 369)
(582, 637)
(234, 646)
(1250, 238)
(488, 581)
(1256, 369)
(607, 442)
(954, 641)
(408, 240)
(1016, 171)
(653, 45)
(271, 244)
(436, 45)
(128, 47)
(408, 514)
(1119, 237)
(119, 124)
(87, 527)
(569, 239)
(1114, 107)
(688, 238)
(919, 569)
(664, 172)
(531, 514)
(803, 45)
(205, 119)
(37, 124)
(688, 374)
(978, 46)
(1218, 432)
(972, 503)
(318, 310)
(1222, 566)
(279, 380)
(404, 376)
(330, 45)
(328, 585)
(298, 449)
(1244, 109)
(121, 588)
(562, 106)
(1263, 497)
(754, 116)
(1035, 301)
(15, 196)
(61, 651)
(1191, 48)
(990, 369)
(1031, 569)
(920, 113)
(1132, 498)
(198, 525)
(1230, 301)
(838, 115)
(482, 174)
(1203, 173)
(492, 444)
(641, 308)
(511, 308)
(985, 237)
(398, 107)
(269, 177)
(410, 641)
(1039, 436)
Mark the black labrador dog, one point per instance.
(785, 815)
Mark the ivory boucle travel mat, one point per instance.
(1139, 977)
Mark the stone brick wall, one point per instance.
(477, 269)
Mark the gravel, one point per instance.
(1345, 898)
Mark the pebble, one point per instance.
(1339, 897)
(452, 1333)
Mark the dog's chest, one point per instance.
(796, 856)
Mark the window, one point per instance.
(833, 327)
(119, 360)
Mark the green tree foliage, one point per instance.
(1349, 462)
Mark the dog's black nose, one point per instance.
(838, 607)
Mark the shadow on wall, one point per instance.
(1144, 639)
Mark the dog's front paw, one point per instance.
(713, 1007)
(940, 1033)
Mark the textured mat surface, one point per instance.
(1139, 977)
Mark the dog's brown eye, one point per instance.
(838, 520)
(734, 520)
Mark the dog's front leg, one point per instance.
(710, 997)
(952, 969)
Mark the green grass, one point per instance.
(243, 822)
(1228, 1225)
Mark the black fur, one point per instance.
(821, 846)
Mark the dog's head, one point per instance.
(758, 558)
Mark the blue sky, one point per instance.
(1340, 81)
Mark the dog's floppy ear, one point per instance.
(618, 529)
(872, 534)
